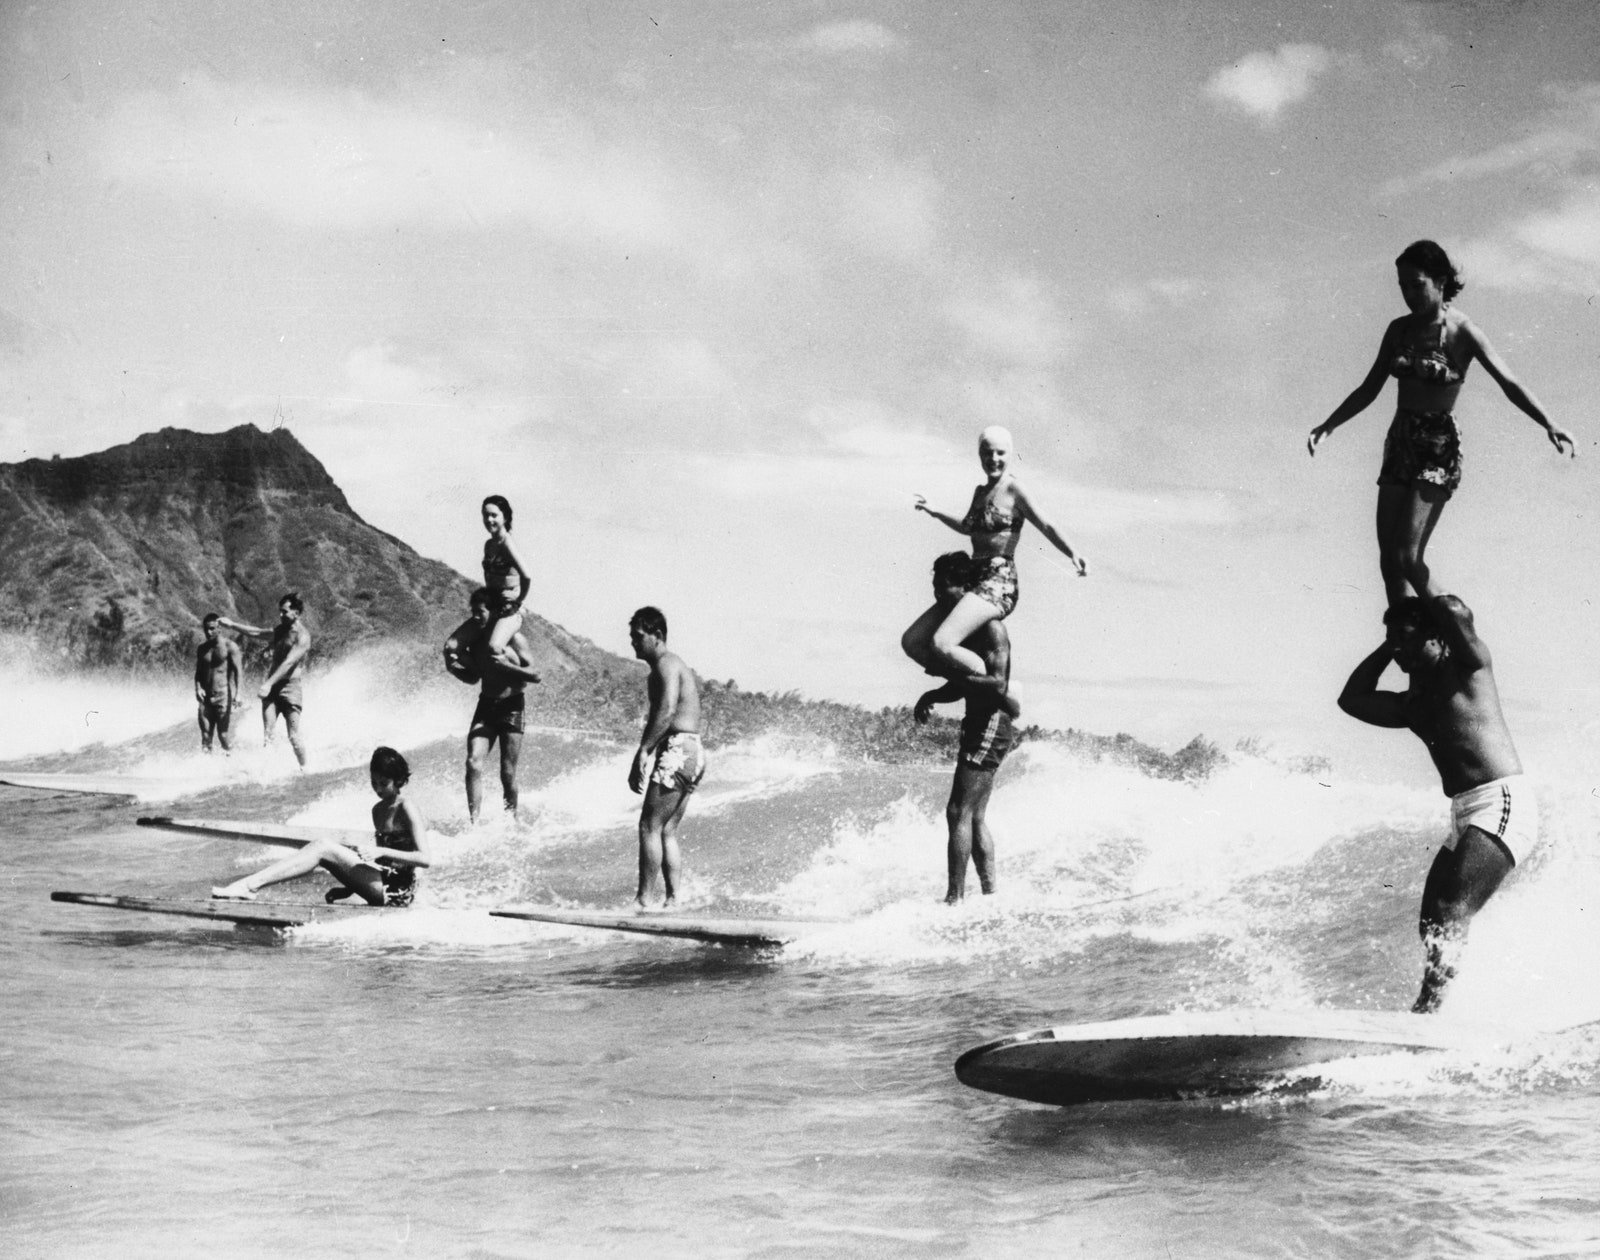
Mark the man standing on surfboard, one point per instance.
(500, 714)
(216, 684)
(282, 692)
(1452, 705)
(670, 762)
(987, 734)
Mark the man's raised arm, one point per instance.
(1454, 621)
(1361, 698)
(255, 632)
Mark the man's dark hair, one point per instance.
(953, 568)
(209, 619)
(1408, 608)
(479, 598)
(651, 620)
(292, 598)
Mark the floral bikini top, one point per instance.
(1431, 367)
(984, 518)
(499, 573)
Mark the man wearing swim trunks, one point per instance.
(282, 692)
(499, 716)
(216, 685)
(670, 762)
(987, 733)
(1453, 706)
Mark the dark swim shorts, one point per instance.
(505, 715)
(286, 696)
(986, 738)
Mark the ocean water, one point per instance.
(442, 1083)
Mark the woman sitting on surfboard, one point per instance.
(383, 873)
(1428, 353)
(504, 574)
(994, 523)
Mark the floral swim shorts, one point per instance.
(1423, 449)
(995, 579)
(680, 762)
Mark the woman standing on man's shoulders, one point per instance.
(1428, 353)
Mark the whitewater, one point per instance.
(439, 1082)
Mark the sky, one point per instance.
(710, 290)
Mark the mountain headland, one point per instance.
(113, 558)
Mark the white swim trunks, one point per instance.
(1504, 808)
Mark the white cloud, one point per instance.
(349, 160)
(849, 37)
(1165, 291)
(1557, 244)
(1020, 323)
(1263, 83)
(1417, 49)
(1571, 232)
(890, 210)
(675, 367)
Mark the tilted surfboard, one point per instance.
(709, 929)
(1202, 1054)
(130, 786)
(289, 836)
(274, 914)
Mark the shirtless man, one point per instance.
(216, 684)
(986, 732)
(670, 762)
(499, 716)
(282, 691)
(1453, 707)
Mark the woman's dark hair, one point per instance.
(500, 501)
(1429, 258)
(388, 764)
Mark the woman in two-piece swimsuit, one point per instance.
(383, 873)
(504, 574)
(994, 523)
(1428, 353)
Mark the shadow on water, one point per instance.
(687, 965)
(187, 939)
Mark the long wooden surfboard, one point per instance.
(274, 914)
(125, 785)
(712, 930)
(1203, 1054)
(288, 835)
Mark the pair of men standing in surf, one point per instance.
(218, 666)
(490, 648)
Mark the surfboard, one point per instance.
(287, 835)
(1202, 1054)
(272, 914)
(97, 785)
(716, 931)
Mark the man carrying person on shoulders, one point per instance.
(500, 715)
(1452, 705)
(987, 733)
